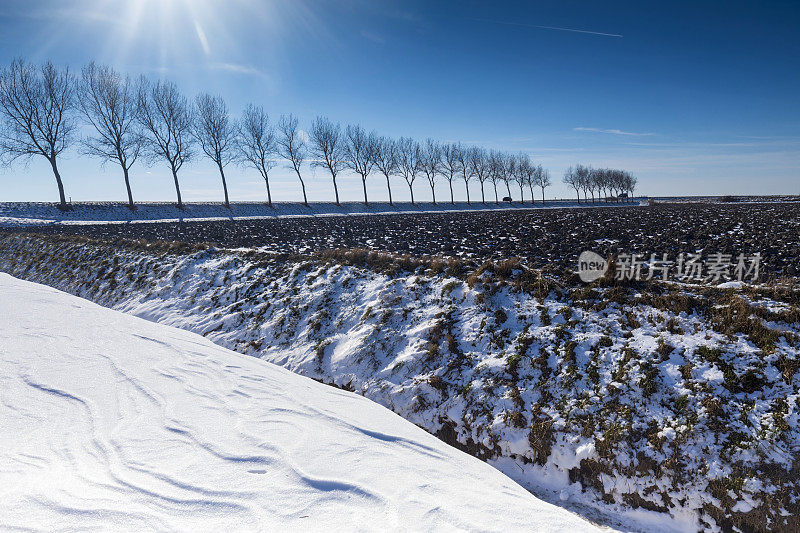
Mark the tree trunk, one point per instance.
(177, 187)
(542, 195)
(483, 196)
(496, 197)
(128, 188)
(521, 196)
(266, 180)
(364, 183)
(508, 188)
(303, 185)
(466, 185)
(336, 190)
(224, 185)
(532, 198)
(411, 190)
(389, 186)
(433, 194)
(452, 198)
(62, 198)
(578, 194)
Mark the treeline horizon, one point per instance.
(41, 107)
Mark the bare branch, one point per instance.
(360, 153)
(292, 147)
(109, 103)
(328, 148)
(37, 110)
(256, 143)
(409, 161)
(213, 129)
(386, 160)
(166, 118)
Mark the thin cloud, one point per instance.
(613, 132)
(754, 144)
(237, 68)
(201, 35)
(556, 28)
(374, 37)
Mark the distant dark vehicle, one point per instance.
(506, 198)
(622, 195)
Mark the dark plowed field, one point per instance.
(541, 237)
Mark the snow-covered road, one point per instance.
(109, 421)
(15, 214)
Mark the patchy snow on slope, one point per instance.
(109, 421)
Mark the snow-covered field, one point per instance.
(39, 213)
(673, 408)
(112, 422)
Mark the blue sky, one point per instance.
(693, 97)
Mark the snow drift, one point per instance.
(111, 421)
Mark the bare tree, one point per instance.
(591, 182)
(166, 117)
(37, 107)
(451, 165)
(542, 179)
(509, 166)
(216, 133)
(385, 160)
(431, 164)
(109, 103)
(463, 157)
(583, 175)
(360, 148)
(613, 182)
(292, 147)
(571, 179)
(480, 165)
(328, 148)
(630, 184)
(600, 177)
(256, 143)
(496, 170)
(409, 158)
(523, 163)
(531, 176)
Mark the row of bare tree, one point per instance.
(608, 183)
(364, 153)
(40, 109)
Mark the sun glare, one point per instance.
(164, 31)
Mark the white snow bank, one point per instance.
(39, 213)
(109, 421)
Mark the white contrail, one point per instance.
(550, 28)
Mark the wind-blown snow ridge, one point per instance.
(109, 421)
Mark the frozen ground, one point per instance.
(39, 213)
(109, 421)
(542, 238)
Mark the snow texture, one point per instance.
(109, 421)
